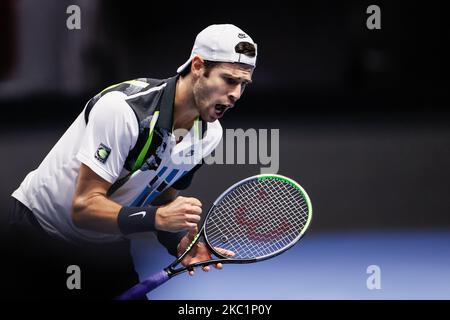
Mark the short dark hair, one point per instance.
(209, 65)
(246, 48)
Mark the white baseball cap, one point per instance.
(218, 43)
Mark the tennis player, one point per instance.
(112, 174)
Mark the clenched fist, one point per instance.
(183, 213)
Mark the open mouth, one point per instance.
(220, 109)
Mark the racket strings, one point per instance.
(251, 234)
(258, 218)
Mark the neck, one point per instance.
(184, 109)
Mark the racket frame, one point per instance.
(172, 271)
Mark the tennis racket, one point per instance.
(257, 218)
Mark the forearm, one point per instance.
(93, 210)
(96, 212)
(103, 215)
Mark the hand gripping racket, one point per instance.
(257, 218)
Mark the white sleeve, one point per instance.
(111, 132)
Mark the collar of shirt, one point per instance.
(165, 119)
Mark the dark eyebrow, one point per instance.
(248, 81)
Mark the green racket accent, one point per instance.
(193, 242)
(281, 178)
(295, 185)
(144, 150)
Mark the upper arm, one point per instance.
(110, 134)
(91, 209)
(89, 184)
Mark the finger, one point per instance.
(194, 231)
(193, 218)
(192, 228)
(191, 271)
(218, 266)
(194, 201)
(205, 268)
(224, 252)
(195, 210)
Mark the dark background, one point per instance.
(363, 114)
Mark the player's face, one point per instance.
(216, 93)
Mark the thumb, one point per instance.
(192, 233)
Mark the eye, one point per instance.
(231, 81)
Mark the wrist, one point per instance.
(158, 219)
(136, 219)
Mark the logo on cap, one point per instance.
(242, 35)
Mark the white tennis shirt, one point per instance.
(48, 190)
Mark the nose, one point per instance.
(235, 94)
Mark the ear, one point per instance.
(197, 66)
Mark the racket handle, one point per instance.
(142, 288)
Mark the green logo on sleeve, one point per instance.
(102, 153)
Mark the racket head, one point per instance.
(258, 218)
